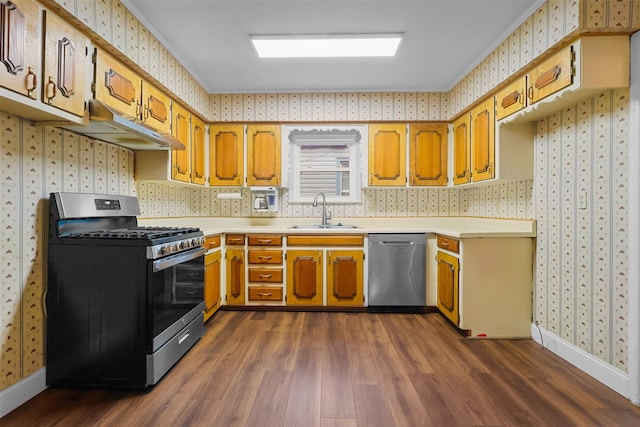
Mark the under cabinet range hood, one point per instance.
(107, 125)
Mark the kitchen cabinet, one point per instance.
(512, 98)
(552, 75)
(484, 285)
(266, 280)
(428, 144)
(155, 108)
(462, 149)
(263, 155)
(448, 276)
(117, 86)
(65, 65)
(483, 140)
(345, 278)
(212, 272)
(235, 269)
(387, 157)
(181, 130)
(325, 265)
(19, 48)
(226, 155)
(304, 277)
(198, 143)
(235, 276)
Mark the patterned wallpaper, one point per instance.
(581, 274)
(580, 282)
(35, 162)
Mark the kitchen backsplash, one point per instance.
(499, 200)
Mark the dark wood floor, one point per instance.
(345, 369)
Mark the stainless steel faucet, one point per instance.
(325, 218)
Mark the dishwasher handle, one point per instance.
(394, 243)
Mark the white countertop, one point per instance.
(460, 227)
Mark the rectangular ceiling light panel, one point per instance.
(326, 46)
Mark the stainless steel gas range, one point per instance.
(124, 303)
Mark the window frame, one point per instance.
(354, 136)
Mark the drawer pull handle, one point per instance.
(264, 257)
(264, 242)
(445, 244)
(183, 338)
(265, 294)
(265, 276)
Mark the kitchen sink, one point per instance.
(320, 226)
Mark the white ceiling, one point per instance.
(444, 40)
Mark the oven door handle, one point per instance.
(170, 261)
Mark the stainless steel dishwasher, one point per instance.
(397, 276)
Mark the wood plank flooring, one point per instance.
(342, 370)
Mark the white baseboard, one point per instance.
(20, 392)
(613, 378)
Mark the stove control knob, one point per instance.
(174, 248)
(184, 244)
(164, 250)
(195, 242)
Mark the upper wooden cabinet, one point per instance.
(155, 108)
(198, 142)
(428, 154)
(181, 130)
(483, 141)
(553, 74)
(65, 66)
(462, 149)
(387, 155)
(226, 155)
(117, 86)
(126, 92)
(512, 98)
(263, 155)
(19, 52)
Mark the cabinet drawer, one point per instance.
(234, 239)
(324, 240)
(265, 293)
(265, 240)
(212, 242)
(551, 75)
(449, 244)
(265, 256)
(268, 275)
(512, 98)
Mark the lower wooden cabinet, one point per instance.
(448, 270)
(484, 285)
(327, 276)
(345, 278)
(304, 277)
(235, 276)
(212, 270)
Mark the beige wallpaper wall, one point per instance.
(580, 283)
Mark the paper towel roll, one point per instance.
(229, 195)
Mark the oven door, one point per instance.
(176, 293)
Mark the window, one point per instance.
(326, 160)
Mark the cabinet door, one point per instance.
(462, 150)
(197, 151)
(483, 141)
(263, 155)
(226, 154)
(155, 109)
(304, 277)
(387, 157)
(428, 154)
(448, 272)
(235, 276)
(551, 75)
(117, 86)
(180, 129)
(65, 53)
(211, 283)
(344, 278)
(512, 98)
(19, 53)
